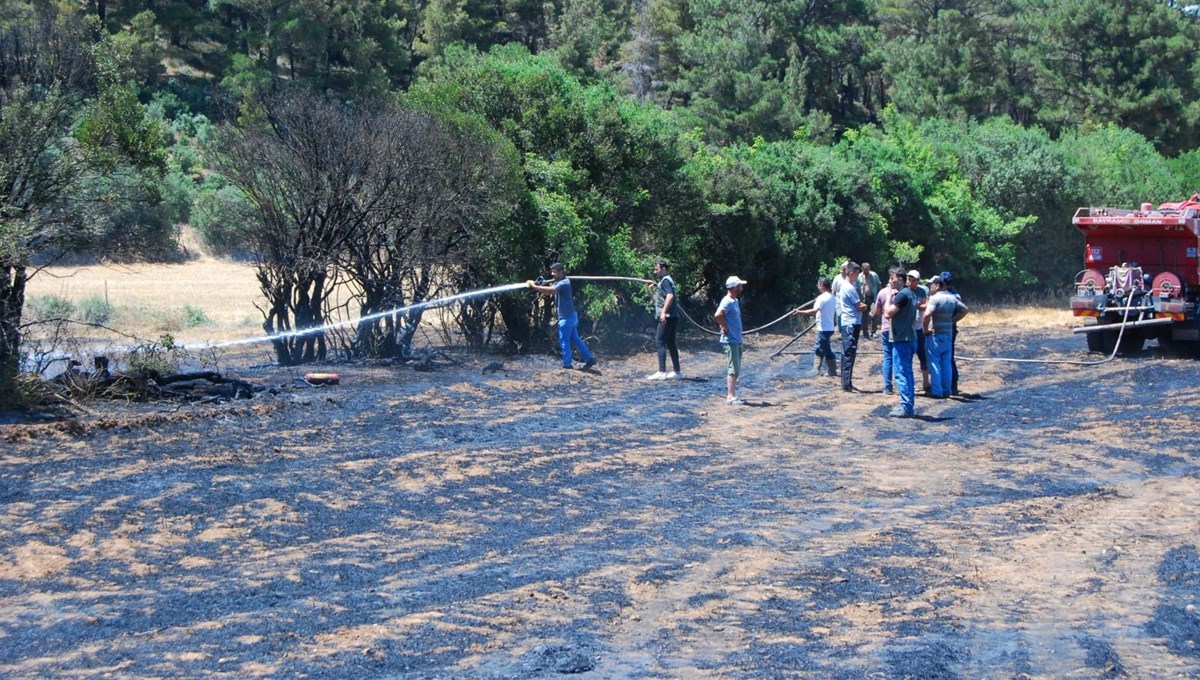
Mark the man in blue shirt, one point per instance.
(850, 323)
(568, 320)
(729, 316)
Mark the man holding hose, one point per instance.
(568, 319)
(666, 312)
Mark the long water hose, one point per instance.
(684, 311)
(1070, 362)
(516, 286)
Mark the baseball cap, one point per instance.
(937, 279)
(914, 274)
(734, 281)
(946, 277)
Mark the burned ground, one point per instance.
(533, 522)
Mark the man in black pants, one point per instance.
(667, 313)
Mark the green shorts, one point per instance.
(733, 355)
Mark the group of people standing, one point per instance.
(910, 320)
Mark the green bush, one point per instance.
(49, 308)
(161, 356)
(95, 309)
(194, 316)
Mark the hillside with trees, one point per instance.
(407, 149)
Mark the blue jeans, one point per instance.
(568, 334)
(941, 362)
(902, 360)
(822, 348)
(886, 342)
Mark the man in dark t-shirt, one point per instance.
(902, 313)
(666, 313)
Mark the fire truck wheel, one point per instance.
(1132, 343)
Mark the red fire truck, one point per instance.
(1142, 278)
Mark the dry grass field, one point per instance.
(149, 298)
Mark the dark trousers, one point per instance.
(954, 363)
(849, 351)
(664, 340)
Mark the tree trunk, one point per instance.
(12, 304)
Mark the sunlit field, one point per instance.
(1021, 315)
(205, 299)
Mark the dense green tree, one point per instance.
(1117, 167)
(939, 57)
(1186, 167)
(817, 206)
(756, 68)
(586, 35)
(604, 175)
(1130, 63)
(1020, 172)
(935, 219)
(68, 115)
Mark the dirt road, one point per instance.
(534, 522)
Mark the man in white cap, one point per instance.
(922, 293)
(729, 316)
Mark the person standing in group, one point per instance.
(941, 313)
(835, 287)
(568, 320)
(666, 311)
(850, 323)
(913, 282)
(868, 290)
(823, 308)
(895, 283)
(947, 281)
(729, 317)
(902, 311)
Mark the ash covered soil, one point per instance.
(536, 522)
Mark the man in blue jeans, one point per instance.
(903, 312)
(942, 312)
(568, 320)
(894, 284)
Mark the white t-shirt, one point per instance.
(826, 311)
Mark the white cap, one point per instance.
(914, 274)
(734, 281)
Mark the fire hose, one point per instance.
(683, 311)
(1070, 362)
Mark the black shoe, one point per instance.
(588, 364)
(851, 388)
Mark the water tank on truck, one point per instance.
(1141, 275)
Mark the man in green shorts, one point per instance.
(729, 316)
